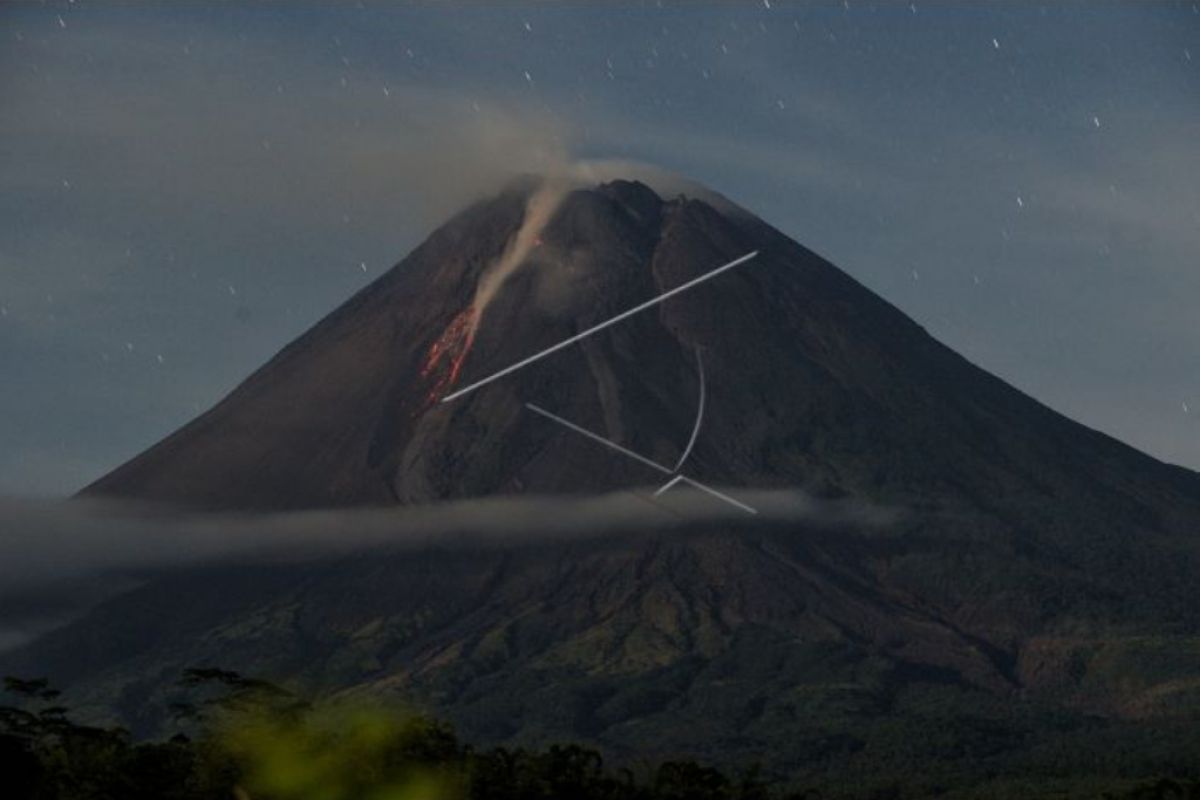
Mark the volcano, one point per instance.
(1036, 584)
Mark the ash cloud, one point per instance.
(60, 558)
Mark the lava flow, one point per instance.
(448, 352)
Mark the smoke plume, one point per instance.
(538, 211)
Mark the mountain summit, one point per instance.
(811, 379)
(1039, 576)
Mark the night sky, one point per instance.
(184, 190)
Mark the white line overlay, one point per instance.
(668, 485)
(683, 287)
(598, 438)
(719, 495)
(687, 451)
(676, 479)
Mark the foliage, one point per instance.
(246, 739)
(252, 739)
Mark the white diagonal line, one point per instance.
(717, 494)
(637, 457)
(597, 438)
(596, 328)
(687, 451)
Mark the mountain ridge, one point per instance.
(1041, 570)
(401, 285)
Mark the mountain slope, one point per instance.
(1032, 557)
(811, 381)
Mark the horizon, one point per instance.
(192, 188)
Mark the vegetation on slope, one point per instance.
(250, 739)
(242, 738)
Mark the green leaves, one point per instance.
(257, 741)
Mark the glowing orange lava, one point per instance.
(446, 355)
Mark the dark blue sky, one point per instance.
(186, 189)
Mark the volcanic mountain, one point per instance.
(1036, 581)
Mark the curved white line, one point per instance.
(687, 451)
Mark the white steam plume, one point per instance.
(538, 210)
(560, 178)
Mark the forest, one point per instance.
(241, 738)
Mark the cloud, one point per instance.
(61, 557)
(186, 143)
(204, 206)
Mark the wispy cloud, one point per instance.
(194, 142)
(62, 556)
